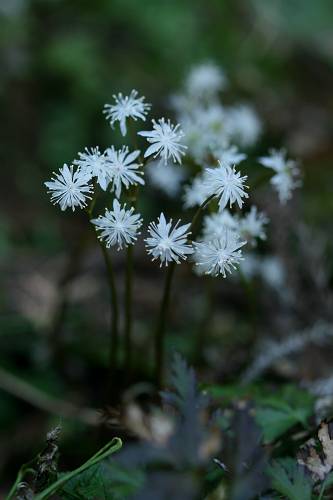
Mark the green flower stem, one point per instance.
(109, 449)
(128, 307)
(114, 341)
(193, 226)
(204, 324)
(160, 327)
(114, 330)
(159, 337)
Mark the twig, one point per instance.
(25, 391)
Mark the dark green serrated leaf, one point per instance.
(290, 480)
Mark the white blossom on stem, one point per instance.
(226, 184)
(92, 162)
(125, 107)
(219, 256)
(165, 141)
(122, 168)
(118, 226)
(70, 188)
(166, 243)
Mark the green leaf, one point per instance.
(277, 414)
(275, 422)
(290, 480)
(105, 481)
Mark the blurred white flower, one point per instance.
(252, 225)
(92, 162)
(196, 193)
(220, 255)
(118, 226)
(167, 178)
(126, 107)
(205, 79)
(121, 169)
(205, 130)
(273, 272)
(70, 188)
(214, 224)
(270, 269)
(166, 243)
(229, 155)
(286, 178)
(250, 266)
(276, 160)
(243, 124)
(226, 184)
(165, 141)
(287, 171)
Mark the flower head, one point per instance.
(214, 224)
(220, 255)
(126, 107)
(229, 155)
(165, 141)
(226, 184)
(205, 130)
(195, 193)
(167, 178)
(92, 162)
(121, 169)
(205, 79)
(70, 188)
(286, 178)
(243, 124)
(166, 243)
(252, 226)
(118, 226)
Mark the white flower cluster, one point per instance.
(211, 135)
(211, 127)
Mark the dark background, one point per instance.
(60, 61)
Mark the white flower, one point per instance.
(243, 124)
(122, 172)
(205, 79)
(276, 160)
(195, 193)
(118, 226)
(226, 184)
(214, 224)
(205, 130)
(229, 155)
(166, 243)
(165, 141)
(126, 107)
(252, 226)
(92, 162)
(167, 178)
(286, 178)
(220, 255)
(70, 188)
